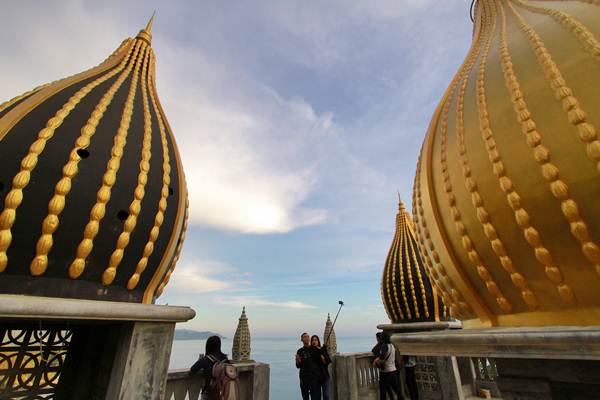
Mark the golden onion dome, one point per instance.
(95, 201)
(506, 191)
(406, 291)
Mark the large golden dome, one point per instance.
(94, 197)
(506, 197)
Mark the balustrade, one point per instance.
(253, 377)
(354, 377)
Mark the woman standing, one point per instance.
(323, 362)
(204, 365)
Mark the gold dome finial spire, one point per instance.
(401, 205)
(150, 21)
(145, 34)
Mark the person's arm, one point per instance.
(317, 355)
(325, 356)
(298, 360)
(198, 366)
(383, 353)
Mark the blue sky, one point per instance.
(297, 122)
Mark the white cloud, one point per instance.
(249, 154)
(199, 278)
(319, 34)
(44, 51)
(255, 301)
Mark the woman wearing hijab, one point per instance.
(323, 360)
(204, 365)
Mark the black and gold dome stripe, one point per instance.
(406, 291)
(93, 186)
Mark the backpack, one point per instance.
(225, 384)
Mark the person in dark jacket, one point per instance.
(323, 360)
(377, 348)
(411, 381)
(306, 362)
(205, 364)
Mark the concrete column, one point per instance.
(449, 376)
(346, 385)
(141, 363)
(261, 382)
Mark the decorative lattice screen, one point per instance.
(31, 361)
(426, 375)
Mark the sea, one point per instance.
(277, 352)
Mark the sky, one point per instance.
(297, 121)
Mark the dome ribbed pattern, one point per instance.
(406, 291)
(507, 185)
(94, 198)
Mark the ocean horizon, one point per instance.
(278, 352)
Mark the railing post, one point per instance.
(354, 378)
(260, 390)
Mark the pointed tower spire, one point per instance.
(241, 339)
(330, 333)
(401, 205)
(150, 21)
(145, 33)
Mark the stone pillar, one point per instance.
(99, 349)
(449, 378)
(254, 380)
(142, 361)
(262, 373)
(346, 384)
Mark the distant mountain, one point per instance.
(188, 334)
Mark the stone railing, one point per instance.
(354, 377)
(485, 375)
(254, 383)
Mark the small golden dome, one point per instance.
(406, 291)
(507, 185)
(94, 197)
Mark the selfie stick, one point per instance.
(341, 303)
